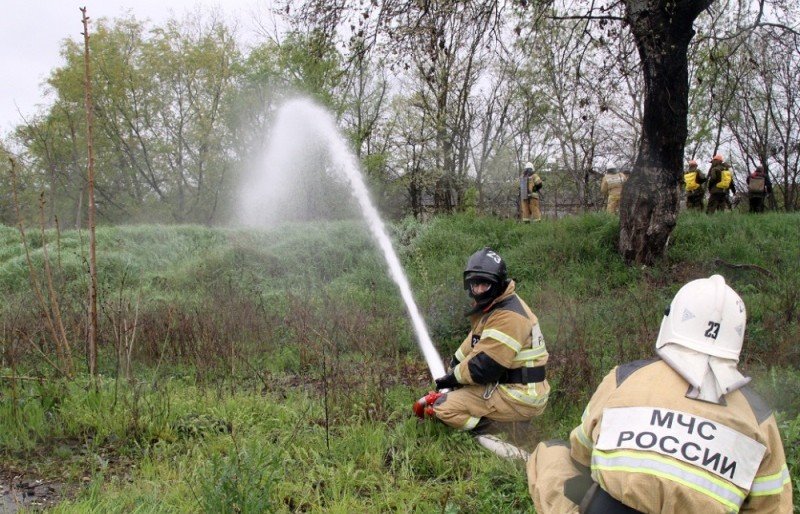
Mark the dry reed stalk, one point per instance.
(36, 286)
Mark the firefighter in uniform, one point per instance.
(720, 181)
(529, 185)
(611, 187)
(498, 372)
(692, 181)
(678, 434)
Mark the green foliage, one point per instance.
(789, 425)
(163, 135)
(274, 370)
(277, 459)
(242, 482)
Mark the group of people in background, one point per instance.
(719, 182)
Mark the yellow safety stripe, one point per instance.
(530, 355)
(457, 374)
(770, 484)
(470, 424)
(503, 338)
(460, 355)
(584, 439)
(527, 395)
(662, 467)
(581, 434)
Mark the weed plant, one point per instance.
(255, 371)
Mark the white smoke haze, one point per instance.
(306, 158)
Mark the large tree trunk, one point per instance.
(662, 30)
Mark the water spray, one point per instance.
(295, 121)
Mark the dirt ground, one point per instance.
(20, 489)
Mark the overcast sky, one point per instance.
(31, 32)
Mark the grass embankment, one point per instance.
(275, 371)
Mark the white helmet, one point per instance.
(706, 316)
(528, 165)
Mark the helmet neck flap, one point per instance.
(701, 337)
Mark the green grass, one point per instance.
(242, 335)
(195, 449)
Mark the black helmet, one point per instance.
(487, 266)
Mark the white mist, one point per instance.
(301, 130)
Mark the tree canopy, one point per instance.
(442, 103)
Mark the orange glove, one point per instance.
(424, 406)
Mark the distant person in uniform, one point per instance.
(675, 435)
(498, 372)
(758, 188)
(529, 185)
(720, 183)
(611, 186)
(692, 181)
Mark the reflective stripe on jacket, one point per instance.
(675, 474)
(509, 333)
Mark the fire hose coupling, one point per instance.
(424, 406)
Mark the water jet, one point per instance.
(300, 127)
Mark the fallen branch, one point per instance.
(720, 262)
(12, 378)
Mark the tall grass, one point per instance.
(273, 370)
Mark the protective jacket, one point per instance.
(612, 183)
(501, 366)
(715, 176)
(759, 184)
(655, 450)
(693, 180)
(611, 186)
(530, 186)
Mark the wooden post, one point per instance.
(87, 86)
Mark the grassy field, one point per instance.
(253, 371)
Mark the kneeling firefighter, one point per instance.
(498, 372)
(678, 434)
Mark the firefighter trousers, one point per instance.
(549, 468)
(613, 204)
(530, 208)
(463, 408)
(717, 202)
(694, 202)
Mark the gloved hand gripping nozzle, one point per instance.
(424, 406)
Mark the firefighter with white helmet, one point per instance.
(611, 187)
(498, 372)
(677, 434)
(530, 184)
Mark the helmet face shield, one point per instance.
(476, 276)
(478, 288)
(487, 266)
